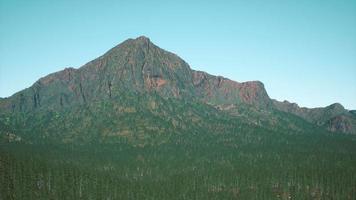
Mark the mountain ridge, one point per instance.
(140, 67)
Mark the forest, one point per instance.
(240, 164)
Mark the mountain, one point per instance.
(139, 123)
(333, 117)
(138, 66)
(137, 77)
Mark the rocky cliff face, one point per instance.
(218, 90)
(339, 123)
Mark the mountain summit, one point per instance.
(137, 77)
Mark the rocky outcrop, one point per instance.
(218, 90)
(339, 123)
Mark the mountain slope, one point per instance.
(334, 117)
(137, 80)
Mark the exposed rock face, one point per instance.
(141, 66)
(218, 90)
(339, 123)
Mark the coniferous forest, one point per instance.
(220, 167)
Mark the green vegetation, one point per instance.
(241, 164)
(149, 147)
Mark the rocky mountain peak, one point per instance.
(139, 67)
(139, 42)
(142, 38)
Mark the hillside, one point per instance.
(139, 123)
(138, 69)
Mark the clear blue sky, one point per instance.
(302, 50)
